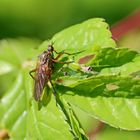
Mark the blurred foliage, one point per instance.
(8, 69)
(43, 18)
(131, 40)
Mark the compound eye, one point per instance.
(50, 48)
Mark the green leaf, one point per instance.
(46, 122)
(13, 109)
(71, 118)
(108, 133)
(15, 52)
(131, 68)
(89, 36)
(5, 67)
(107, 86)
(114, 100)
(112, 57)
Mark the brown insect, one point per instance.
(44, 70)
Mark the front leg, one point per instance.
(32, 71)
(61, 53)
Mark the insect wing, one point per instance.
(40, 82)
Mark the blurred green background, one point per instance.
(42, 18)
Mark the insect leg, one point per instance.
(32, 72)
(61, 53)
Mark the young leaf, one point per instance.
(72, 120)
(112, 57)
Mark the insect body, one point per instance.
(44, 70)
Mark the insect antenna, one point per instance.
(52, 43)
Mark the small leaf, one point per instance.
(72, 120)
(111, 57)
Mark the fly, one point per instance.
(44, 70)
